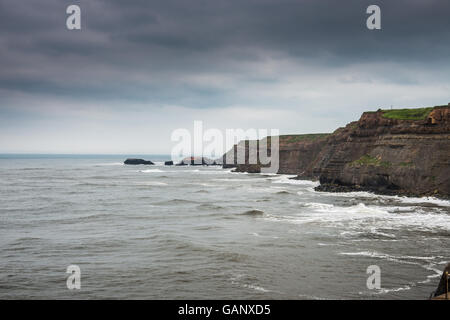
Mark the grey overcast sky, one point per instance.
(139, 69)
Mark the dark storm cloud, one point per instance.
(142, 50)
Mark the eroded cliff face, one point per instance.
(389, 155)
(377, 153)
(297, 154)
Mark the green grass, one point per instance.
(407, 114)
(367, 160)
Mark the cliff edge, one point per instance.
(400, 151)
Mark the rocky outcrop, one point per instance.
(296, 154)
(132, 161)
(389, 155)
(444, 284)
(388, 151)
(196, 161)
(168, 163)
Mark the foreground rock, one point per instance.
(443, 286)
(132, 161)
(398, 152)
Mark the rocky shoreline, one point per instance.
(393, 152)
(192, 161)
(328, 187)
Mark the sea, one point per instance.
(194, 232)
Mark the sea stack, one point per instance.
(132, 161)
(195, 161)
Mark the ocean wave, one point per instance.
(284, 192)
(206, 184)
(175, 202)
(108, 164)
(248, 282)
(238, 173)
(255, 287)
(209, 206)
(386, 198)
(401, 259)
(363, 218)
(318, 206)
(152, 183)
(287, 179)
(238, 180)
(152, 171)
(253, 212)
(432, 200)
(214, 171)
(384, 290)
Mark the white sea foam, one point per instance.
(214, 172)
(385, 198)
(206, 184)
(152, 171)
(152, 183)
(384, 256)
(402, 259)
(238, 180)
(439, 202)
(365, 218)
(319, 206)
(287, 179)
(255, 287)
(384, 290)
(109, 164)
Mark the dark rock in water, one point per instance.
(132, 161)
(443, 284)
(384, 190)
(195, 161)
(168, 163)
(250, 168)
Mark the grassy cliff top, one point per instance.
(407, 114)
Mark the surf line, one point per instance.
(189, 310)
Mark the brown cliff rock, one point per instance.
(395, 156)
(404, 151)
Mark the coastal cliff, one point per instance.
(403, 151)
